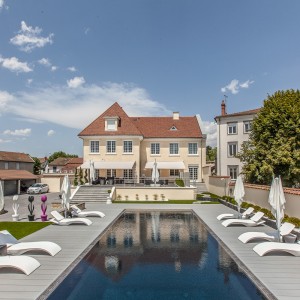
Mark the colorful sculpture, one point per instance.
(44, 217)
(31, 208)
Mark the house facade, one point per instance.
(64, 165)
(126, 147)
(16, 170)
(232, 131)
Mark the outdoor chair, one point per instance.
(77, 212)
(14, 247)
(255, 220)
(26, 264)
(58, 219)
(244, 215)
(285, 229)
(267, 247)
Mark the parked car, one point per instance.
(38, 188)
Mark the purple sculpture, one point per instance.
(44, 208)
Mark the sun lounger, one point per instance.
(14, 247)
(285, 229)
(255, 220)
(76, 211)
(267, 247)
(26, 264)
(245, 214)
(60, 220)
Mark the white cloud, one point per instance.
(2, 5)
(75, 82)
(210, 128)
(14, 65)
(86, 30)
(29, 81)
(5, 98)
(234, 86)
(246, 84)
(82, 105)
(72, 69)
(29, 38)
(50, 132)
(18, 132)
(54, 68)
(45, 62)
(5, 141)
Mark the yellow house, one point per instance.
(126, 148)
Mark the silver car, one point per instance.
(38, 188)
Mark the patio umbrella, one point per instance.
(155, 173)
(277, 201)
(92, 171)
(1, 197)
(239, 192)
(66, 194)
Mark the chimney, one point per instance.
(223, 108)
(176, 115)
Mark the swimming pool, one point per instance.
(157, 255)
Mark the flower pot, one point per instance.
(30, 217)
(44, 218)
(15, 217)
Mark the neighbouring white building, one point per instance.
(232, 130)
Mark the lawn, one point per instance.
(21, 229)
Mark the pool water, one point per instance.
(157, 255)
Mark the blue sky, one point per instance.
(62, 63)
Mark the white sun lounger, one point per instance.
(267, 247)
(14, 247)
(285, 229)
(60, 220)
(26, 264)
(253, 221)
(245, 214)
(76, 211)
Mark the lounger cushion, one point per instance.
(267, 247)
(26, 264)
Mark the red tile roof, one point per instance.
(16, 174)
(60, 161)
(149, 127)
(15, 156)
(242, 113)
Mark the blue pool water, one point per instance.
(157, 255)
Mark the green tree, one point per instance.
(211, 153)
(81, 176)
(273, 148)
(36, 166)
(57, 154)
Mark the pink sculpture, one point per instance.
(44, 208)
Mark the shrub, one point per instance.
(267, 213)
(119, 197)
(179, 182)
(137, 196)
(294, 221)
(155, 196)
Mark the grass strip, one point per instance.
(166, 202)
(21, 229)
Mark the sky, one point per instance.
(64, 62)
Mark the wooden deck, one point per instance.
(279, 275)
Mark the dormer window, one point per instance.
(111, 124)
(173, 128)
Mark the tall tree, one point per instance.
(57, 154)
(36, 166)
(274, 145)
(211, 153)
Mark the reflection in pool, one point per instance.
(157, 255)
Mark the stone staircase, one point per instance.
(201, 187)
(91, 193)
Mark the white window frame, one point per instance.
(174, 149)
(111, 173)
(232, 147)
(128, 173)
(233, 172)
(6, 165)
(193, 172)
(232, 128)
(127, 147)
(111, 125)
(110, 147)
(155, 148)
(93, 148)
(192, 147)
(247, 126)
(17, 166)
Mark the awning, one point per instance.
(169, 165)
(16, 175)
(106, 165)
